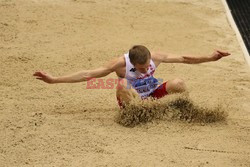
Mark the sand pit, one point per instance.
(172, 107)
(69, 125)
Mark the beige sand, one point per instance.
(68, 125)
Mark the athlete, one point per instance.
(135, 71)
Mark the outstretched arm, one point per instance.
(80, 76)
(160, 57)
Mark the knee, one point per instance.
(179, 85)
(121, 85)
(124, 93)
(178, 82)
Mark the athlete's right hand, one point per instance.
(44, 77)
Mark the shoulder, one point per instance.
(120, 61)
(156, 57)
(117, 62)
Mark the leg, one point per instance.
(125, 95)
(176, 86)
(169, 87)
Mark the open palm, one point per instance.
(44, 76)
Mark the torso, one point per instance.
(144, 84)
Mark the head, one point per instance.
(140, 57)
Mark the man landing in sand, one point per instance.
(136, 68)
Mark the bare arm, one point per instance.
(80, 76)
(160, 57)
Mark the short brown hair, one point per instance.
(139, 54)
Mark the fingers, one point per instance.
(35, 74)
(39, 73)
(223, 53)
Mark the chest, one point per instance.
(132, 73)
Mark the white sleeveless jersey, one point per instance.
(144, 84)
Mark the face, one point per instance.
(143, 68)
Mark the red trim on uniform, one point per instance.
(160, 91)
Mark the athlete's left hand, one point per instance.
(218, 54)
